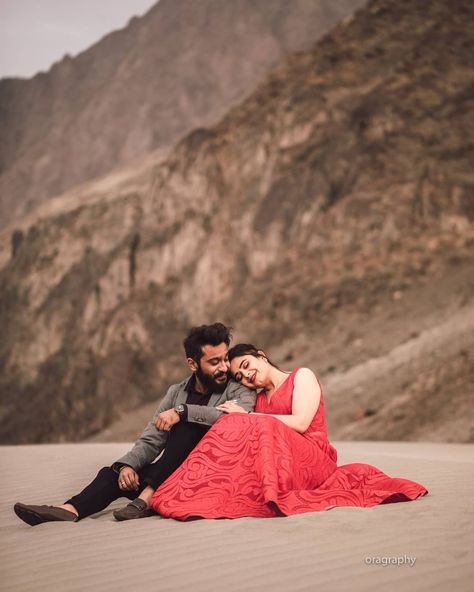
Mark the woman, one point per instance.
(274, 461)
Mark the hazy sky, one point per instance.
(36, 33)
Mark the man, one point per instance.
(183, 417)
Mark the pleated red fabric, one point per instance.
(254, 465)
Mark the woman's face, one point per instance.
(250, 371)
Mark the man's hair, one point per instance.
(205, 335)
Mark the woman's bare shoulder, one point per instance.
(305, 374)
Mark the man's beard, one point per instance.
(211, 385)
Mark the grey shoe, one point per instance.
(34, 515)
(136, 509)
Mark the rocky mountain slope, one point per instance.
(180, 66)
(329, 218)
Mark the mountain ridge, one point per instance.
(328, 217)
(179, 66)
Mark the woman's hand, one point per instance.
(231, 407)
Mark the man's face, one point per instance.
(212, 369)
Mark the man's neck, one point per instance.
(199, 387)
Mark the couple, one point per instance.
(267, 455)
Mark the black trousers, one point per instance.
(104, 489)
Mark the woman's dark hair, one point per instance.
(205, 335)
(247, 349)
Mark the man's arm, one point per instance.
(151, 441)
(205, 415)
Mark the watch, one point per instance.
(180, 410)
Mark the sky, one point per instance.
(36, 33)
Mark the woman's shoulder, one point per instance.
(302, 371)
(303, 375)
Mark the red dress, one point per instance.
(255, 465)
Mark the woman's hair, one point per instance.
(247, 349)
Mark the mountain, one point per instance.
(328, 218)
(180, 66)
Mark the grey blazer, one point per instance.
(152, 441)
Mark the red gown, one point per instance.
(255, 465)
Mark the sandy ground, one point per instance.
(334, 550)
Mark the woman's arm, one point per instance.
(306, 398)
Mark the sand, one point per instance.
(341, 549)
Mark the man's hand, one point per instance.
(166, 420)
(128, 479)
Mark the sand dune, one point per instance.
(334, 550)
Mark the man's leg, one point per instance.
(182, 440)
(102, 491)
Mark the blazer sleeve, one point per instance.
(151, 441)
(244, 396)
(206, 415)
